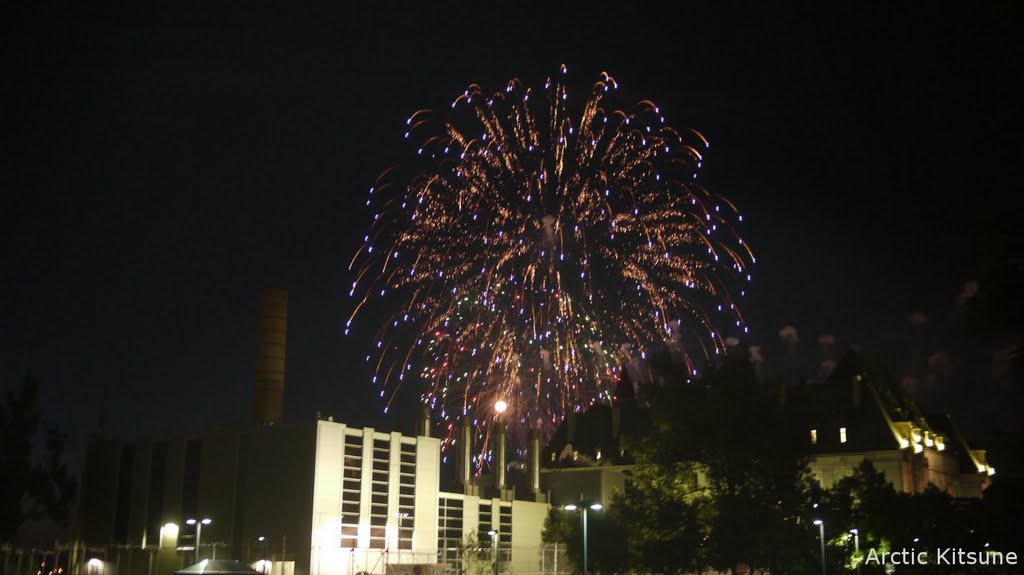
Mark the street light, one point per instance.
(821, 534)
(494, 549)
(263, 563)
(401, 516)
(586, 508)
(199, 531)
(856, 546)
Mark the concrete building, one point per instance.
(303, 498)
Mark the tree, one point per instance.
(605, 535)
(664, 514)
(887, 520)
(474, 558)
(721, 480)
(35, 482)
(864, 501)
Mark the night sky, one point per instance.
(159, 168)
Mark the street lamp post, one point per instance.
(585, 508)
(821, 535)
(401, 516)
(199, 531)
(263, 555)
(856, 546)
(494, 549)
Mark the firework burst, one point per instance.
(535, 246)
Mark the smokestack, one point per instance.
(533, 465)
(856, 391)
(425, 421)
(499, 469)
(270, 356)
(464, 452)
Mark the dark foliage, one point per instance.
(35, 482)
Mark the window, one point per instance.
(449, 530)
(814, 437)
(504, 531)
(406, 494)
(485, 524)
(842, 435)
(350, 490)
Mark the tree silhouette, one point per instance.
(31, 489)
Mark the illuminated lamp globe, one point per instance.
(500, 406)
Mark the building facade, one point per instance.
(303, 498)
(858, 413)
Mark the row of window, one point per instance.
(450, 528)
(842, 436)
(351, 492)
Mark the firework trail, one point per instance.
(535, 246)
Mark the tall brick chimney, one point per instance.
(268, 395)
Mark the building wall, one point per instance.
(428, 485)
(943, 470)
(174, 481)
(218, 493)
(330, 447)
(139, 499)
(574, 484)
(277, 496)
(519, 524)
(907, 472)
(327, 499)
(393, 482)
(99, 484)
(527, 535)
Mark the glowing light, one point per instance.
(500, 406)
(511, 286)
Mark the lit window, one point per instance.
(814, 437)
(842, 435)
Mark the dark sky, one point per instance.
(160, 167)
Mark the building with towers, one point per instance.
(320, 497)
(302, 497)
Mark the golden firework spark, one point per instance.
(534, 245)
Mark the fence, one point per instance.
(78, 559)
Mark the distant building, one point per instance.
(587, 459)
(860, 413)
(857, 413)
(305, 498)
